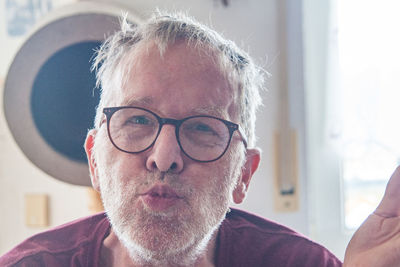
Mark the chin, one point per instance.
(177, 239)
(162, 241)
(163, 251)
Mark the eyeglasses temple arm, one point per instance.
(243, 135)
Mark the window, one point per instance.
(368, 102)
(351, 62)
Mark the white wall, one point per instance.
(253, 24)
(18, 176)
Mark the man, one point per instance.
(173, 144)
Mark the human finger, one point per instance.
(390, 204)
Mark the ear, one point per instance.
(250, 166)
(89, 143)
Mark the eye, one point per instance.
(139, 121)
(201, 128)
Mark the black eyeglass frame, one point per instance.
(232, 127)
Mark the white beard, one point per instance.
(159, 239)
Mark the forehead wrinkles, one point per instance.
(203, 60)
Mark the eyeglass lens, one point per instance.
(201, 138)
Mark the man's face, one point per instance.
(159, 201)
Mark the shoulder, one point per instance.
(255, 240)
(59, 244)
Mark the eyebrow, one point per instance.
(144, 101)
(211, 110)
(206, 110)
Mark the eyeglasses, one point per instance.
(202, 138)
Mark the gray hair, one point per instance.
(165, 29)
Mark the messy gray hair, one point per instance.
(164, 29)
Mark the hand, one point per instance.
(377, 242)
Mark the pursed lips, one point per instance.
(160, 197)
(163, 191)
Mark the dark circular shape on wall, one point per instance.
(63, 99)
(49, 97)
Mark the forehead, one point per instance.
(182, 80)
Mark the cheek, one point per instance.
(215, 179)
(230, 170)
(113, 161)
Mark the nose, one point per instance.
(165, 155)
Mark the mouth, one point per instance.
(163, 191)
(161, 198)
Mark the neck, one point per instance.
(114, 253)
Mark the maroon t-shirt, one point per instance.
(243, 240)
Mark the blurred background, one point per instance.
(329, 127)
